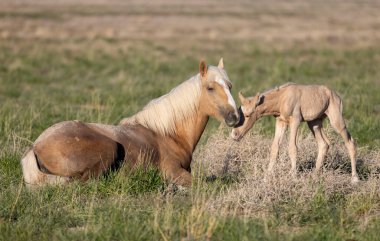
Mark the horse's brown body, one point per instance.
(82, 150)
(165, 133)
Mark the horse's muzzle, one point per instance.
(241, 120)
(232, 119)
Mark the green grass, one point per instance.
(44, 82)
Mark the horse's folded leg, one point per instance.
(179, 176)
(57, 180)
(184, 178)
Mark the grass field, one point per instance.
(100, 61)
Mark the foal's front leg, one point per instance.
(294, 125)
(279, 133)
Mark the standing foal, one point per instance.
(292, 104)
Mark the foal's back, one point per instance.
(308, 101)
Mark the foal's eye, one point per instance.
(209, 88)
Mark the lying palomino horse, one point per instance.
(166, 130)
(291, 104)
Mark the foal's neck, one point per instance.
(270, 105)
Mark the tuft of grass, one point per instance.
(142, 179)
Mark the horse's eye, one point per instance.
(209, 88)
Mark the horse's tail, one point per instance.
(33, 176)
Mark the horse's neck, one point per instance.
(189, 131)
(270, 105)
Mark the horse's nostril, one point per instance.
(236, 118)
(231, 119)
(233, 116)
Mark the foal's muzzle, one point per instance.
(236, 135)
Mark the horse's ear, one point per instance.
(221, 64)
(260, 99)
(203, 68)
(243, 100)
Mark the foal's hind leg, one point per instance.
(323, 146)
(337, 122)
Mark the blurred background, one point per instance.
(274, 24)
(99, 60)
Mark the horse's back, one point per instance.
(73, 149)
(136, 140)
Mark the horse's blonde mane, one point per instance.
(161, 114)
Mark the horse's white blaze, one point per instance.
(228, 93)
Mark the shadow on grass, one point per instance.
(340, 163)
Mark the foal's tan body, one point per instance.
(292, 104)
(165, 134)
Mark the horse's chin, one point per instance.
(230, 123)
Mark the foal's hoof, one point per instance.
(268, 176)
(293, 174)
(315, 175)
(355, 180)
(266, 179)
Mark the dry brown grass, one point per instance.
(251, 195)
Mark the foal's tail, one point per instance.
(339, 99)
(33, 176)
(335, 114)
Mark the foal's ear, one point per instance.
(260, 99)
(203, 68)
(221, 64)
(243, 100)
